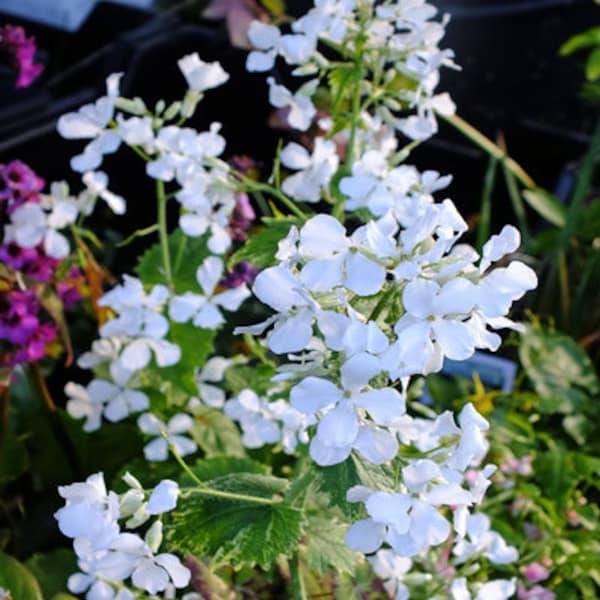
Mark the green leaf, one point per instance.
(242, 531)
(196, 346)
(261, 247)
(559, 369)
(588, 38)
(592, 66)
(546, 205)
(257, 378)
(187, 254)
(14, 460)
(216, 434)
(211, 468)
(52, 570)
(17, 579)
(338, 479)
(326, 548)
(579, 427)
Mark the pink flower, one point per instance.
(535, 593)
(535, 572)
(238, 15)
(20, 51)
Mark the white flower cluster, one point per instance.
(40, 223)
(126, 346)
(172, 152)
(268, 422)
(396, 38)
(107, 555)
(443, 305)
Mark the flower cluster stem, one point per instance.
(163, 233)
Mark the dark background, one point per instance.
(512, 81)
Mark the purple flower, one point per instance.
(32, 262)
(19, 184)
(535, 593)
(20, 51)
(535, 572)
(243, 272)
(242, 218)
(68, 288)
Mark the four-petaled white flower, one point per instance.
(204, 310)
(170, 433)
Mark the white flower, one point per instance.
(212, 372)
(333, 260)
(341, 426)
(89, 512)
(204, 309)
(269, 42)
(30, 225)
(163, 497)
(200, 75)
(92, 121)
(315, 171)
(480, 540)
(254, 417)
(392, 568)
(97, 187)
(4, 594)
(101, 397)
(158, 448)
(301, 109)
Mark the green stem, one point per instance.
(255, 186)
(485, 212)
(298, 587)
(383, 301)
(518, 206)
(163, 233)
(202, 490)
(205, 491)
(581, 189)
(492, 149)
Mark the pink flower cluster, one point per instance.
(25, 327)
(20, 51)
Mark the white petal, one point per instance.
(322, 275)
(418, 297)
(180, 575)
(386, 507)
(323, 236)
(232, 299)
(163, 497)
(359, 370)
(377, 445)
(383, 405)
(325, 456)
(293, 335)
(313, 394)
(363, 276)
(365, 536)
(339, 427)
(209, 273)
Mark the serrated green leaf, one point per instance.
(52, 570)
(18, 580)
(261, 247)
(338, 479)
(546, 205)
(245, 532)
(216, 434)
(187, 254)
(326, 548)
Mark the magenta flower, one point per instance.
(535, 593)
(535, 572)
(23, 337)
(20, 51)
(32, 262)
